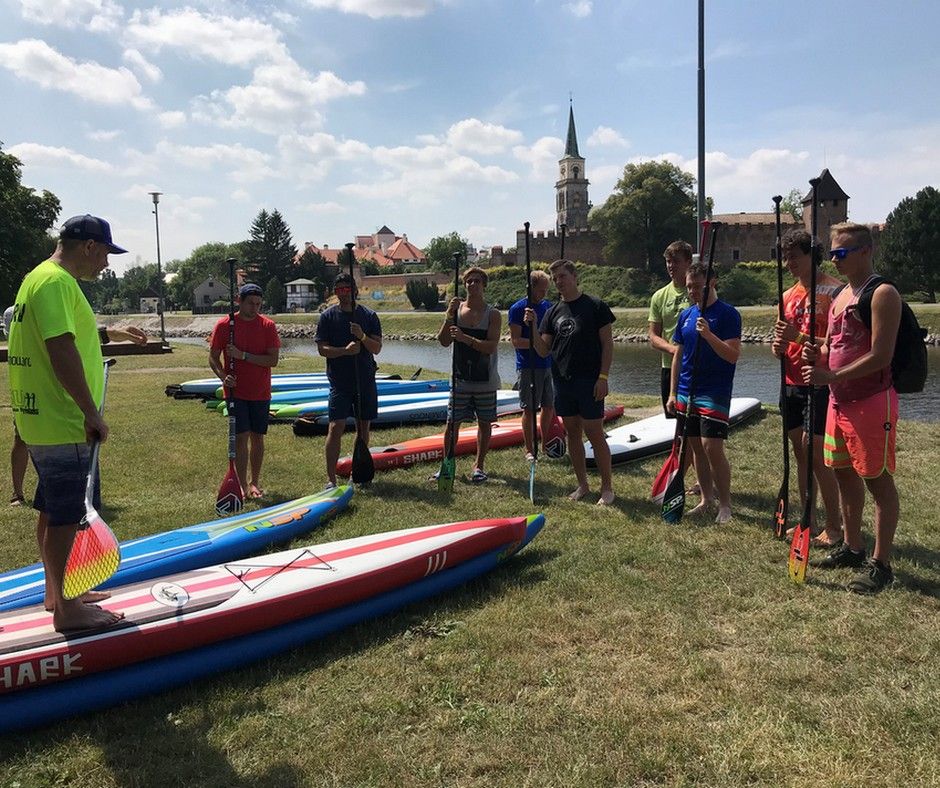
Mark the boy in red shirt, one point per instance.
(256, 349)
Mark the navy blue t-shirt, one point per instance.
(516, 315)
(714, 377)
(333, 329)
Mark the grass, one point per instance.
(615, 650)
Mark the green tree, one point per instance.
(26, 217)
(312, 266)
(653, 204)
(137, 281)
(792, 204)
(204, 261)
(910, 241)
(104, 293)
(271, 251)
(274, 296)
(440, 251)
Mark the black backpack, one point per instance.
(909, 364)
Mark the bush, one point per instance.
(420, 293)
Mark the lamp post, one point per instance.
(156, 219)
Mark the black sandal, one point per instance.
(17, 500)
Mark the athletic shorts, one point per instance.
(861, 435)
(251, 415)
(341, 404)
(480, 406)
(63, 473)
(665, 388)
(575, 397)
(544, 390)
(796, 401)
(704, 428)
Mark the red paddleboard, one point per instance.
(431, 448)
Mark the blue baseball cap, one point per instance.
(250, 289)
(90, 228)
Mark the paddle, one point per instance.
(671, 464)
(674, 497)
(448, 471)
(363, 469)
(95, 553)
(231, 496)
(531, 353)
(799, 546)
(417, 373)
(556, 442)
(783, 497)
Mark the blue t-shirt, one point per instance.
(333, 329)
(516, 315)
(714, 377)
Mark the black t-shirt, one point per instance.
(574, 326)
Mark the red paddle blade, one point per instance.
(799, 553)
(231, 496)
(666, 474)
(94, 557)
(556, 443)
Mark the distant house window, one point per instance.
(735, 254)
(205, 300)
(211, 283)
(773, 253)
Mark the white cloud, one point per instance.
(542, 155)
(35, 155)
(103, 135)
(323, 207)
(142, 66)
(476, 136)
(606, 136)
(98, 16)
(172, 119)
(235, 42)
(239, 162)
(36, 61)
(285, 18)
(580, 8)
(240, 195)
(376, 9)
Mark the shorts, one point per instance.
(341, 404)
(665, 389)
(575, 397)
(480, 406)
(796, 401)
(544, 390)
(703, 427)
(251, 415)
(63, 474)
(861, 435)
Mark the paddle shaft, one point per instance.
(810, 419)
(96, 443)
(356, 408)
(780, 519)
(230, 359)
(531, 351)
(453, 364)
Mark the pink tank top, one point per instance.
(849, 340)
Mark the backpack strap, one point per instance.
(864, 300)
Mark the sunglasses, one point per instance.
(842, 253)
(342, 290)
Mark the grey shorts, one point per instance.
(63, 472)
(481, 407)
(544, 389)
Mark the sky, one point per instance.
(433, 116)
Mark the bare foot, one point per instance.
(724, 514)
(76, 615)
(606, 499)
(89, 598)
(254, 491)
(578, 494)
(702, 508)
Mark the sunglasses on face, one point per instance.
(343, 290)
(843, 252)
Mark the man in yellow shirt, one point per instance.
(56, 386)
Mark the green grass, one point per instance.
(615, 650)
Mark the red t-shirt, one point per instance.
(796, 312)
(252, 382)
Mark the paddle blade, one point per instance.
(363, 468)
(666, 474)
(799, 553)
(780, 516)
(94, 557)
(532, 481)
(445, 477)
(556, 443)
(231, 496)
(674, 498)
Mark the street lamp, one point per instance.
(156, 219)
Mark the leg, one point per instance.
(484, 430)
(852, 497)
(19, 459)
(256, 455)
(721, 474)
(363, 427)
(574, 433)
(546, 420)
(703, 474)
(241, 458)
(527, 430)
(887, 511)
(334, 439)
(594, 429)
(829, 490)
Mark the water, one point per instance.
(635, 370)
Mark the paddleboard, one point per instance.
(195, 545)
(431, 447)
(186, 626)
(320, 406)
(654, 435)
(206, 387)
(298, 396)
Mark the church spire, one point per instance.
(571, 146)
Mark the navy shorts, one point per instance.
(544, 390)
(341, 404)
(63, 473)
(575, 397)
(796, 401)
(704, 428)
(251, 415)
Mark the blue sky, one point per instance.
(437, 115)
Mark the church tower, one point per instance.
(571, 197)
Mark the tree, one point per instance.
(420, 292)
(653, 205)
(274, 295)
(104, 293)
(312, 266)
(440, 251)
(910, 241)
(137, 281)
(793, 204)
(204, 261)
(27, 217)
(270, 249)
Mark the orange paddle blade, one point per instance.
(94, 557)
(799, 553)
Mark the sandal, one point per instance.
(17, 500)
(478, 476)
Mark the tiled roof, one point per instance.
(749, 218)
(403, 249)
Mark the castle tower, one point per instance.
(833, 207)
(571, 196)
